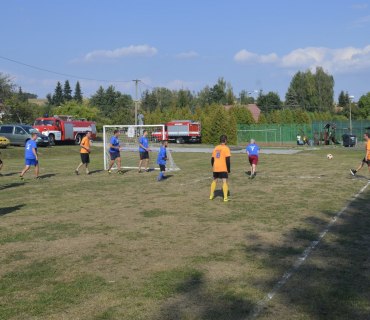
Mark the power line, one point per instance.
(62, 74)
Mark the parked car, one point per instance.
(4, 142)
(18, 134)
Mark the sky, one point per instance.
(252, 45)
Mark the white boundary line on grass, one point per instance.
(284, 279)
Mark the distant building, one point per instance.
(253, 108)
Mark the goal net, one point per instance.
(129, 146)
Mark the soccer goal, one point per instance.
(129, 145)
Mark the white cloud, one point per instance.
(342, 60)
(187, 55)
(247, 56)
(139, 50)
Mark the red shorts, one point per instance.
(253, 159)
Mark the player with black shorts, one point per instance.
(221, 167)
(144, 151)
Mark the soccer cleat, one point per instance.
(37, 178)
(109, 171)
(76, 172)
(353, 172)
(211, 197)
(21, 177)
(120, 172)
(226, 199)
(139, 171)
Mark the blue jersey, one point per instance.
(28, 154)
(115, 143)
(162, 156)
(253, 149)
(144, 141)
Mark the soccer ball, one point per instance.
(329, 156)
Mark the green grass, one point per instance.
(127, 247)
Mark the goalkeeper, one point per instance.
(161, 160)
(221, 167)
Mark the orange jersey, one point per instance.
(219, 154)
(368, 149)
(86, 143)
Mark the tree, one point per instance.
(58, 95)
(67, 91)
(6, 86)
(364, 106)
(218, 92)
(78, 93)
(113, 105)
(78, 110)
(241, 114)
(245, 98)
(343, 99)
(20, 111)
(268, 102)
(312, 92)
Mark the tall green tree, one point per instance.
(67, 91)
(312, 92)
(343, 99)
(58, 95)
(78, 93)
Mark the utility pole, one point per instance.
(136, 99)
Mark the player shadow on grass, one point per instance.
(193, 301)
(95, 171)
(47, 175)
(8, 210)
(9, 174)
(332, 282)
(11, 185)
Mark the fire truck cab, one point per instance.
(64, 128)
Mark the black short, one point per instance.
(220, 175)
(1, 162)
(114, 155)
(366, 161)
(144, 155)
(85, 158)
(162, 167)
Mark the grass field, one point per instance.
(127, 247)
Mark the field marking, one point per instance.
(284, 279)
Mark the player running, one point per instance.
(221, 167)
(252, 151)
(144, 150)
(31, 156)
(114, 152)
(85, 153)
(366, 159)
(161, 160)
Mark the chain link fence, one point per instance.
(315, 133)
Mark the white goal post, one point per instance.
(129, 145)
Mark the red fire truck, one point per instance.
(64, 128)
(181, 131)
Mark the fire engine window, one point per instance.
(57, 123)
